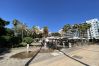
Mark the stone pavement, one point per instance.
(58, 61)
(87, 54)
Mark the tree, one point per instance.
(15, 23)
(20, 29)
(55, 34)
(83, 29)
(9, 32)
(66, 27)
(3, 23)
(6, 34)
(66, 30)
(75, 28)
(88, 28)
(45, 31)
(35, 31)
(28, 40)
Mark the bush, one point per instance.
(9, 41)
(22, 44)
(28, 40)
(7, 38)
(5, 41)
(16, 41)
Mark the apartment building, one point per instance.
(93, 32)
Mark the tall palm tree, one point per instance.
(35, 31)
(83, 30)
(80, 29)
(88, 28)
(19, 28)
(75, 28)
(23, 30)
(66, 28)
(15, 23)
(84, 27)
(45, 31)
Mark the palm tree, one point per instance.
(75, 28)
(88, 28)
(23, 30)
(35, 31)
(84, 27)
(66, 28)
(15, 23)
(19, 28)
(45, 31)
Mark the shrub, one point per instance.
(22, 44)
(16, 41)
(7, 38)
(28, 40)
(5, 41)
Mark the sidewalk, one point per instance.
(88, 55)
(59, 60)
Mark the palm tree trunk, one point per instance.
(22, 35)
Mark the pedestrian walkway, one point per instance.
(84, 56)
(58, 61)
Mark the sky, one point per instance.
(52, 13)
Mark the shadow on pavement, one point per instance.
(27, 64)
(1, 58)
(74, 58)
(4, 51)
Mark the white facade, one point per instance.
(68, 34)
(61, 32)
(93, 32)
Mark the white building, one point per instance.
(61, 32)
(93, 32)
(67, 34)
